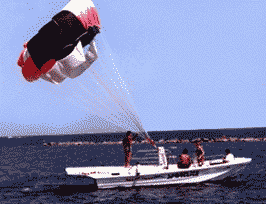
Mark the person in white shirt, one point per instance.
(229, 157)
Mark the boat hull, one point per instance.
(151, 175)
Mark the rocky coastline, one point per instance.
(162, 141)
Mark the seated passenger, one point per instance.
(185, 160)
(229, 156)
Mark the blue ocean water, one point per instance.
(35, 174)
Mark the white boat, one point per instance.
(161, 174)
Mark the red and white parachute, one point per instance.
(56, 51)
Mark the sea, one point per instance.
(33, 173)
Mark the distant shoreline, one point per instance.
(254, 134)
(172, 141)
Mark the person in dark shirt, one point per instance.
(185, 160)
(127, 143)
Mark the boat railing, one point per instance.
(147, 150)
(213, 157)
(151, 156)
(143, 158)
(147, 157)
(170, 157)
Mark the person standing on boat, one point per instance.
(127, 143)
(185, 160)
(229, 156)
(199, 152)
